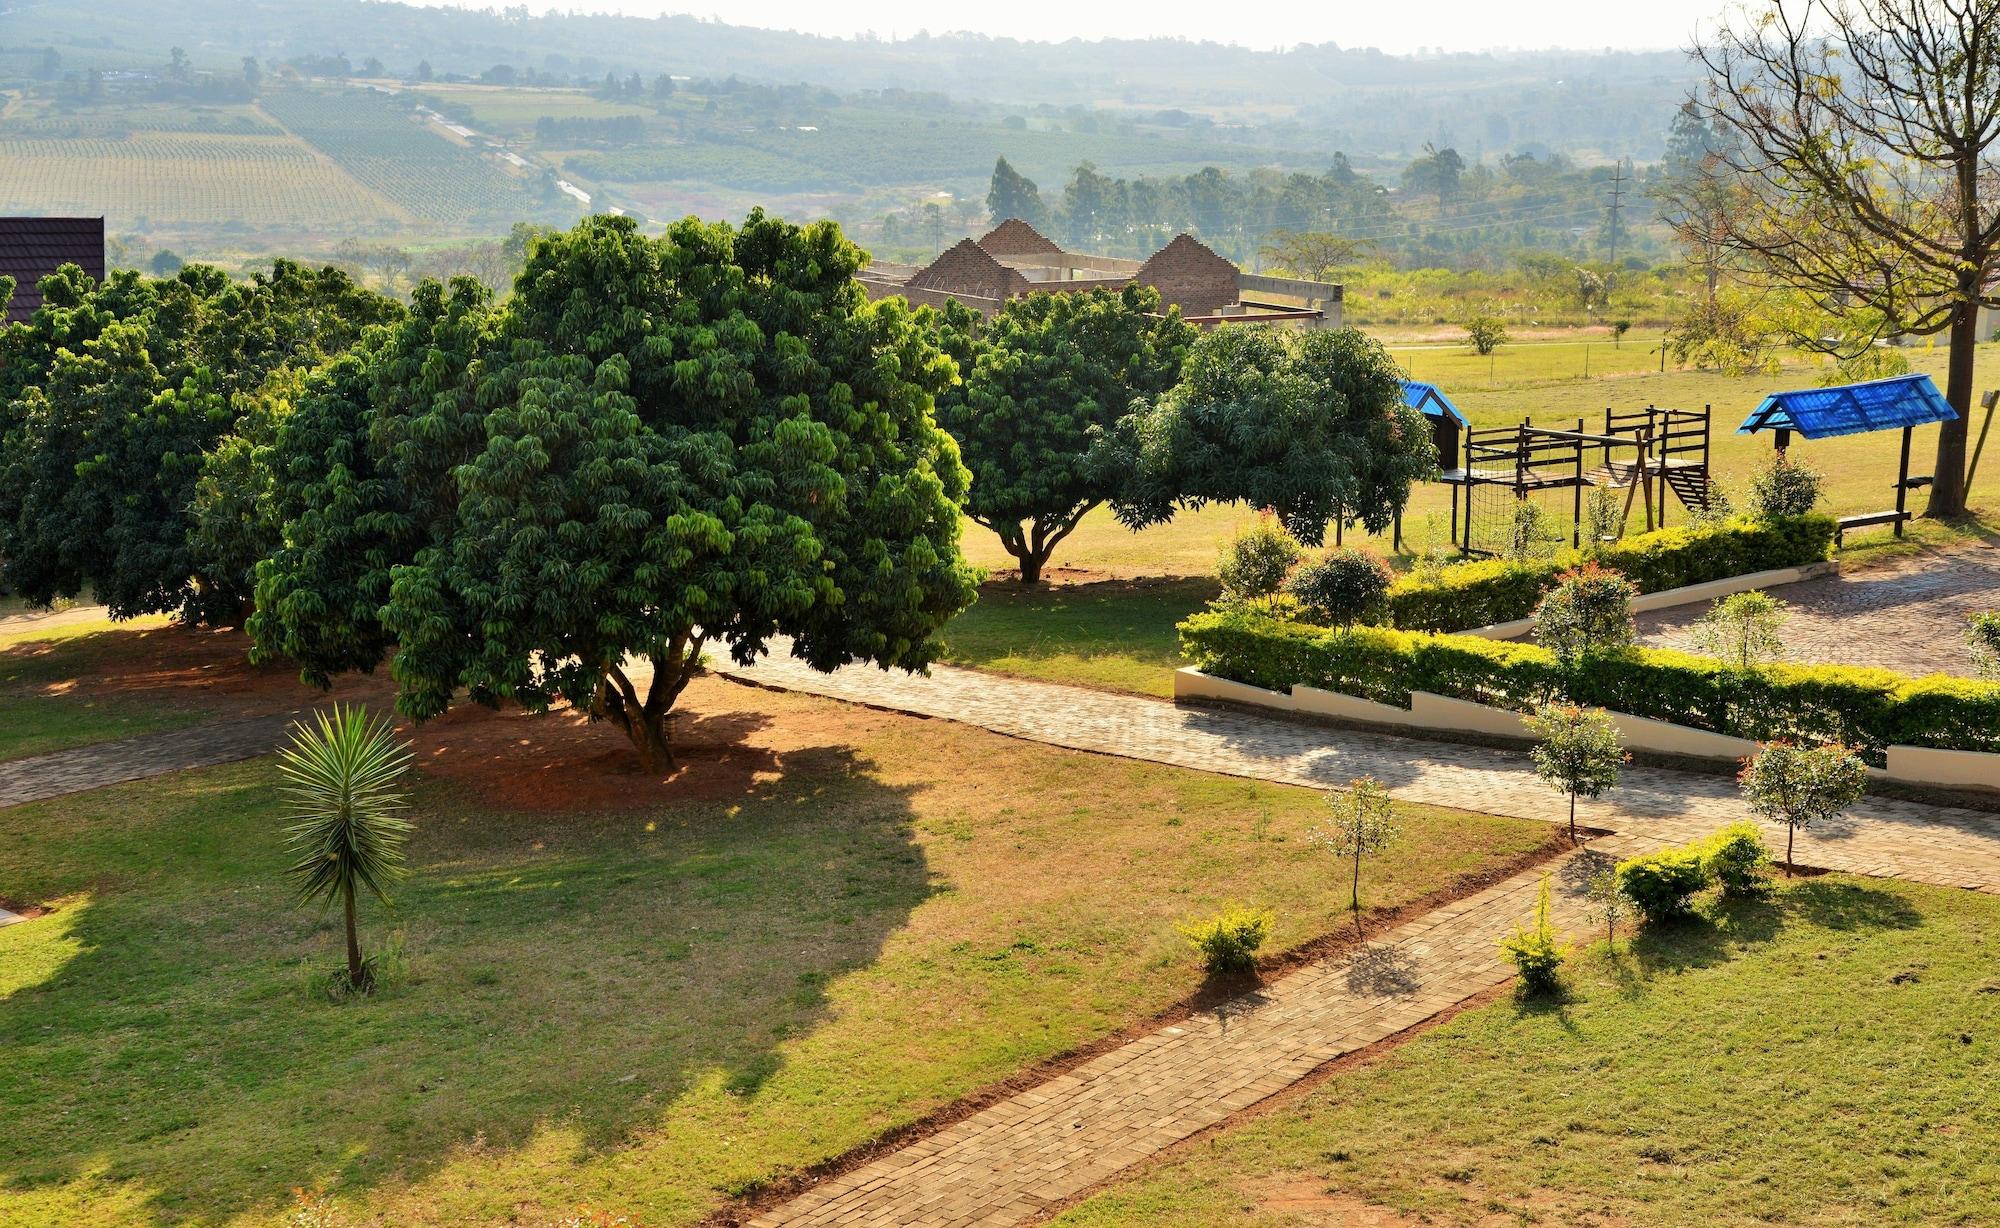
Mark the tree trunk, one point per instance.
(354, 970)
(1031, 567)
(1354, 898)
(1791, 830)
(1572, 818)
(649, 737)
(644, 721)
(1948, 476)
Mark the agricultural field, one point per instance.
(152, 177)
(509, 111)
(376, 139)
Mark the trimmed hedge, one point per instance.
(1490, 591)
(1866, 708)
(1662, 885)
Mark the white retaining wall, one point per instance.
(1668, 598)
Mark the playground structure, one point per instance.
(1647, 453)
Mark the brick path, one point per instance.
(108, 763)
(1908, 617)
(1006, 1164)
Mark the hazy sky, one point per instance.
(1453, 25)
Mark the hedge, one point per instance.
(1492, 591)
(1867, 708)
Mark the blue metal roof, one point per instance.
(1432, 401)
(1852, 409)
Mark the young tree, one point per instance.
(1607, 903)
(1341, 587)
(343, 776)
(1861, 137)
(1310, 425)
(1536, 950)
(1589, 610)
(1049, 380)
(1486, 333)
(654, 445)
(1982, 634)
(1576, 751)
(1743, 629)
(1362, 824)
(1254, 564)
(1802, 785)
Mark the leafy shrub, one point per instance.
(1862, 707)
(1588, 611)
(1662, 885)
(1362, 823)
(1784, 488)
(1486, 333)
(1577, 751)
(1983, 635)
(1487, 591)
(1603, 516)
(1736, 857)
(1255, 563)
(1743, 629)
(1802, 785)
(1532, 534)
(1228, 941)
(1341, 587)
(1536, 952)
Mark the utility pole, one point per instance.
(1618, 181)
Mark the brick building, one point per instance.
(1015, 259)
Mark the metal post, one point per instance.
(1576, 495)
(1903, 478)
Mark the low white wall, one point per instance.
(1668, 598)
(1916, 765)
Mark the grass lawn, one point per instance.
(1827, 1057)
(639, 995)
(1859, 468)
(1114, 634)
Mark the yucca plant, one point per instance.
(343, 778)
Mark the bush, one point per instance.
(1588, 611)
(1800, 786)
(1486, 333)
(1662, 885)
(1532, 534)
(1784, 488)
(1228, 941)
(1488, 591)
(1341, 587)
(1742, 629)
(1736, 857)
(1255, 563)
(1536, 953)
(1865, 708)
(1982, 634)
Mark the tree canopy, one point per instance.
(1311, 425)
(1045, 385)
(651, 447)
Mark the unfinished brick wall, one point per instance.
(966, 269)
(1190, 276)
(1015, 237)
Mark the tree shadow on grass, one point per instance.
(1839, 904)
(585, 978)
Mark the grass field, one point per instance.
(638, 996)
(1823, 1058)
(1114, 634)
(1456, 367)
(507, 110)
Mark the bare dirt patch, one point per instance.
(182, 667)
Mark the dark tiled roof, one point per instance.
(31, 248)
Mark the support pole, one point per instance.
(1903, 479)
(1576, 496)
(1989, 401)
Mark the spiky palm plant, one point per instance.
(343, 778)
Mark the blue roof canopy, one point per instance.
(1852, 409)
(1432, 401)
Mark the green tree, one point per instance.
(1743, 629)
(1313, 255)
(1341, 587)
(1253, 565)
(1311, 425)
(1013, 194)
(1486, 333)
(1576, 751)
(1536, 950)
(1049, 379)
(343, 776)
(1800, 786)
(1361, 824)
(1588, 611)
(712, 437)
(1982, 635)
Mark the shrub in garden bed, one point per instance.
(1479, 594)
(1662, 885)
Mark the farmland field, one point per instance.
(184, 177)
(515, 110)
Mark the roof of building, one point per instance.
(1852, 409)
(1432, 401)
(1183, 248)
(31, 248)
(1015, 237)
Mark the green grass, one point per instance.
(1113, 634)
(35, 725)
(1824, 1058)
(48, 700)
(821, 931)
(1456, 367)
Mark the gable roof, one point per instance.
(1432, 401)
(1186, 252)
(1852, 409)
(1015, 237)
(31, 248)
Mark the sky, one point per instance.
(1408, 26)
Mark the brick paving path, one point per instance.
(1908, 617)
(108, 763)
(1008, 1163)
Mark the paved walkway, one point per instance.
(1945, 846)
(1008, 1163)
(1909, 617)
(62, 772)
(49, 620)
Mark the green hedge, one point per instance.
(1496, 591)
(1866, 708)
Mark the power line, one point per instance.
(1618, 181)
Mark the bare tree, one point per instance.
(1859, 135)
